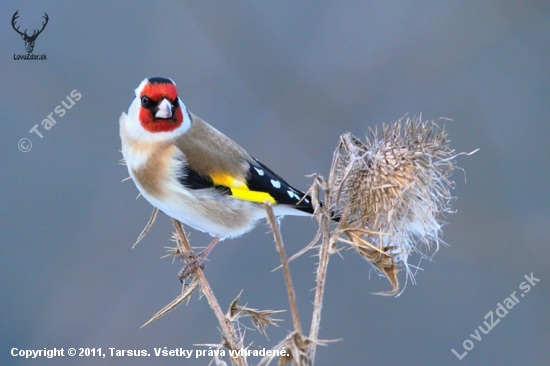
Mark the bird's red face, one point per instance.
(160, 110)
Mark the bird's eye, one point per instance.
(145, 102)
(176, 103)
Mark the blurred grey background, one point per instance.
(284, 79)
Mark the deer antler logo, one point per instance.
(29, 40)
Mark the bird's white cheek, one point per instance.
(130, 124)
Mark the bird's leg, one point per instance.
(194, 260)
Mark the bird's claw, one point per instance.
(192, 262)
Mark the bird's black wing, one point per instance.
(263, 179)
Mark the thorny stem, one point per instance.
(227, 330)
(286, 269)
(324, 256)
(147, 227)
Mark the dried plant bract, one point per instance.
(260, 318)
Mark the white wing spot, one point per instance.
(276, 183)
(305, 199)
(260, 171)
(296, 195)
(293, 194)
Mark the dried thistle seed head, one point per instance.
(391, 190)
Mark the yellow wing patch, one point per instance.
(239, 189)
(253, 196)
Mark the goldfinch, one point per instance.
(194, 173)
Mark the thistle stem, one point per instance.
(227, 330)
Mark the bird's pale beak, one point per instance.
(164, 109)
